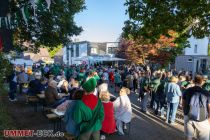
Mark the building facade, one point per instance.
(195, 58)
(75, 51)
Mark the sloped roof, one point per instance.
(60, 52)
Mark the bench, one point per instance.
(69, 136)
(33, 100)
(53, 118)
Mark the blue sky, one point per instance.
(102, 21)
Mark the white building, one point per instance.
(75, 52)
(196, 57)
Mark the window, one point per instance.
(190, 60)
(93, 50)
(72, 51)
(196, 48)
(77, 50)
(112, 50)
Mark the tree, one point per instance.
(54, 50)
(5, 70)
(141, 50)
(152, 18)
(38, 23)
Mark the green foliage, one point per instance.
(5, 69)
(49, 27)
(53, 51)
(209, 50)
(6, 121)
(152, 18)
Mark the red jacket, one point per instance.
(109, 124)
(111, 76)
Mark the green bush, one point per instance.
(6, 121)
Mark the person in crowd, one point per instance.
(12, 79)
(64, 87)
(61, 80)
(105, 77)
(109, 124)
(117, 80)
(30, 75)
(130, 79)
(73, 89)
(155, 82)
(135, 81)
(34, 85)
(182, 82)
(146, 89)
(89, 112)
(141, 79)
(51, 95)
(22, 79)
(196, 107)
(160, 97)
(206, 84)
(173, 94)
(122, 109)
(71, 126)
(103, 87)
(111, 77)
(43, 85)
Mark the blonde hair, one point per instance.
(124, 91)
(104, 96)
(103, 87)
(174, 79)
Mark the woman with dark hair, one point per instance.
(71, 127)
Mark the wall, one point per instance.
(82, 52)
(182, 63)
(202, 46)
(111, 45)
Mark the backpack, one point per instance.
(198, 107)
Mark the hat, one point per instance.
(90, 85)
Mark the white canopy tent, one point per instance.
(96, 59)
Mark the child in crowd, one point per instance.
(123, 111)
(109, 124)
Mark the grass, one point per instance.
(6, 121)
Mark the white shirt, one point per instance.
(123, 110)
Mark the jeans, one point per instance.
(160, 105)
(144, 101)
(171, 112)
(21, 88)
(13, 90)
(152, 103)
(119, 125)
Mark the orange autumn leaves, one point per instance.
(140, 50)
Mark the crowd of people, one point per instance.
(92, 111)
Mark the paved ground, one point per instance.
(143, 126)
